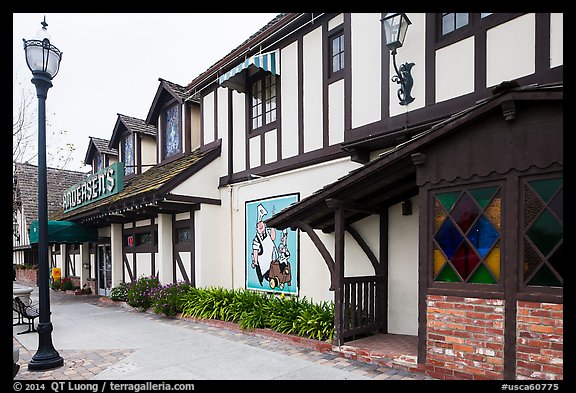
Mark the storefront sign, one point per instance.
(102, 184)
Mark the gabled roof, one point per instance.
(131, 124)
(152, 185)
(391, 178)
(98, 145)
(57, 180)
(166, 91)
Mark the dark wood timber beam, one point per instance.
(321, 248)
(352, 206)
(364, 246)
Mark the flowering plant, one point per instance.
(166, 298)
(139, 292)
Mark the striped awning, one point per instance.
(236, 78)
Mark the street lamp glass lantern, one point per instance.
(41, 55)
(395, 27)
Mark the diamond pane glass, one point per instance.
(483, 195)
(493, 262)
(545, 277)
(546, 188)
(448, 198)
(448, 238)
(493, 211)
(557, 261)
(448, 275)
(439, 260)
(532, 207)
(482, 276)
(482, 235)
(531, 259)
(439, 215)
(464, 260)
(557, 204)
(465, 212)
(545, 232)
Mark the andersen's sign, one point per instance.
(102, 184)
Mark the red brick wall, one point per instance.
(465, 338)
(29, 276)
(540, 340)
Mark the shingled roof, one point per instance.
(26, 184)
(154, 183)
(132, 124)
(100, 145)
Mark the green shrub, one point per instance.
(252, 310)
(120, 292)
(139, 292)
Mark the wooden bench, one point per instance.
(25, 311)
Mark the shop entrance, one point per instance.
(104, 269)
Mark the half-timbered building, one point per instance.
(424, 200)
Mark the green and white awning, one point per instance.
(236, 78)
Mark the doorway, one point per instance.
(104, 269)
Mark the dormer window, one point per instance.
(128, 155)
(171, 138)
(99, 162)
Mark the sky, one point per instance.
(111, 64)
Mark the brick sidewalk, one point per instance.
(86, 364)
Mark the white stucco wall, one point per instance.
(208, 117)
(289, 99)
(510, 50)
(222, 99)
(455, 70)
(403, 270)
(336, 112)
(312, 52)
(239, 131)
(556, 39)
(313, 272)
(366, 56)
(203, 183)
(148, 146)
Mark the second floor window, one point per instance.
(263, 103)
(172, 143)
(128, 155)
(337, 53)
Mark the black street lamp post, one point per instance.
(43, 59)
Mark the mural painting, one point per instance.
(271, 255)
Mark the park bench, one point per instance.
(27, 313)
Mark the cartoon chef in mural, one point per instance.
(274, 260)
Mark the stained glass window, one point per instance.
(542, 261)
(466, 235)
(99, 162)
(128, 155)
(172, 131)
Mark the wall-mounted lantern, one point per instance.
(395, 27)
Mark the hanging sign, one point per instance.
(102, 184)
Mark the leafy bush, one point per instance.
(66, 284)
(253, 310)
(55, 284)
(166, 298)
(120, 292)
(139, 292)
